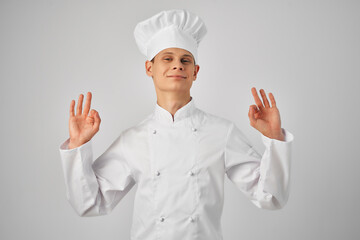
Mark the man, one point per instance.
(179, 154)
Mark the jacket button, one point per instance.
(154, 132)
(191, 219)
(191, 173)
(157, 173)
(162, 219)
(194, 129)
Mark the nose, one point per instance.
(178, 65)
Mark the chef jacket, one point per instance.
(179, 165)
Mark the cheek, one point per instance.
(160, 69)
(191, 72)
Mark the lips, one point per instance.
(177, 76)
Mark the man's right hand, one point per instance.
(82, 126)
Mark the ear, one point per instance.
(197, 68)
(148, 68)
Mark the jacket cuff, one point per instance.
(289, 137)
(64, 147)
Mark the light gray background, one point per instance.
(305, 52)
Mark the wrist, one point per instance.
(74, 144)
(278, 136)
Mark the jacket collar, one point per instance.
(182, 113)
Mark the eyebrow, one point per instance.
(173, 53)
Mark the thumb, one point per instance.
(97, 121)
(251, 115)
(90, 117)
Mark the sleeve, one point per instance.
(95, 188)
(263, 179)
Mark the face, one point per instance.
(173, 70)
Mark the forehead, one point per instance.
(175, 51)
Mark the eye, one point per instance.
(167, 58)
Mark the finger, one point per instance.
(92, 113)
(256, 98)
(255, 108)
(272, 99)
(87, 104)
(90, 118)
(251, 115)
(72, 104)
(97, 121)
(263, 95)
(79, 105)
(256, 111)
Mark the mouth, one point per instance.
(177, 76)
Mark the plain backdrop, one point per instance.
(306, 53)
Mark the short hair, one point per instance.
(153, 60)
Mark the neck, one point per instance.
(173, 102)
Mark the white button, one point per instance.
(191, 173)
(154, 132)
(162, 219)
(157, 173)
(267, 197)
(191, 219)
(194, 129)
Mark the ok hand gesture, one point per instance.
(82, 127)
(264, 118)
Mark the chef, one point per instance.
(179, 154)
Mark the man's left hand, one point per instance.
(265, 118)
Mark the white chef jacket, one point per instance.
(179, 166)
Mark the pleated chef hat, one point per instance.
(176, 28)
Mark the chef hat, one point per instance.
(176, 28)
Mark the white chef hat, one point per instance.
(176, 28)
